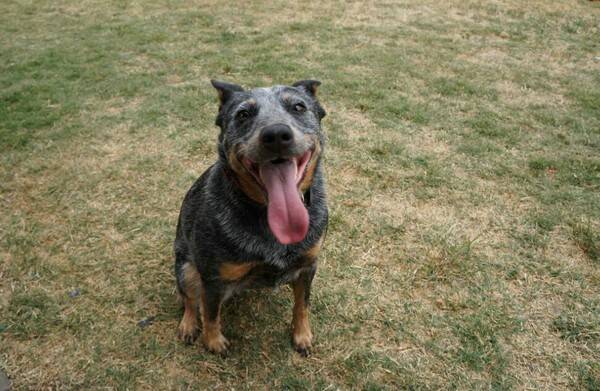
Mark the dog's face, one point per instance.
(271, 139)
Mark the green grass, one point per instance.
(464, 188)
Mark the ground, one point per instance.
(463, 163)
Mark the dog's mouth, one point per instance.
(299, 162)
(280, 178)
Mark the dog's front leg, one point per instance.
(212, 298)
(301, 334)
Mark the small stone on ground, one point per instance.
(4, 382)
(146, 321)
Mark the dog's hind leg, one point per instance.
(189, 286)
(301, 333)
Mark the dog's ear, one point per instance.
(225, 90)
(310, 86)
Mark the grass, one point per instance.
(464, 186)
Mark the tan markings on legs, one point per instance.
(188, 327)
(310, 170)
(235, 271)
(212, 337)
(246, 180)
(301, 334)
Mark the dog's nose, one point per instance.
(277, 137)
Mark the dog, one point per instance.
(258, 216)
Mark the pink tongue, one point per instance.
(288, 218)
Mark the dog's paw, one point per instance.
(188, 332)
(302, 342)
(216, 343)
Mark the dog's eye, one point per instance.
(299, 108)
(242, 115)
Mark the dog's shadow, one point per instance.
(258, 319)
(255, 319)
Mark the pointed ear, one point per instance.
(225, 90)
(309, 86)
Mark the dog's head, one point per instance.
(271, 140)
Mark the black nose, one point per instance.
(277, 137)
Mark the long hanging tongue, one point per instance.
(287, 216)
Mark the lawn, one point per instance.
(463, 165)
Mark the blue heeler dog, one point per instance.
(258, 216)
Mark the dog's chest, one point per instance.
(261, 274)
(269, 275)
